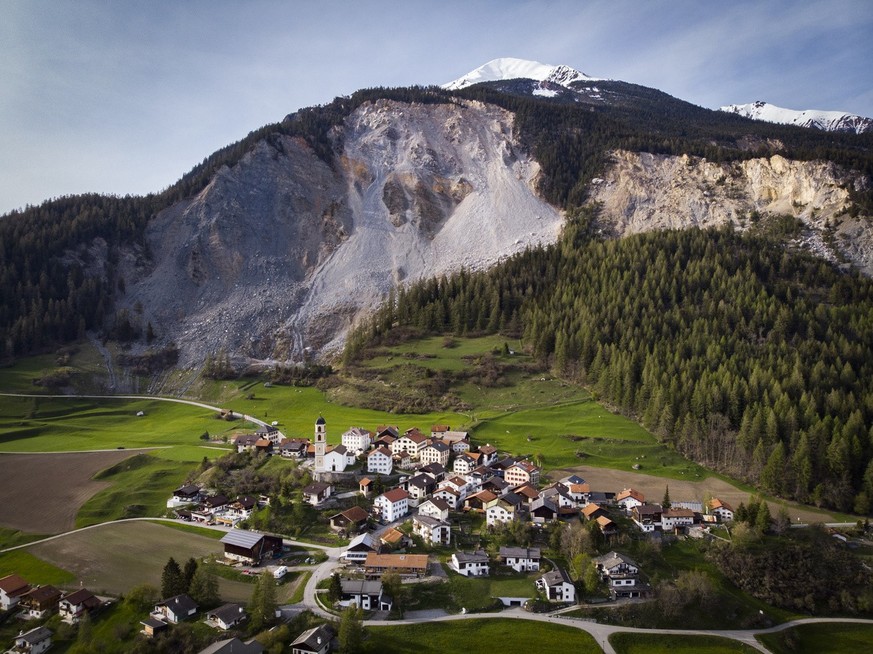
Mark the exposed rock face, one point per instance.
(281, 252)
(642, 192)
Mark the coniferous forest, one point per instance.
(746, 357)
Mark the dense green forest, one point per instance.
(56, 282)
(742, 355)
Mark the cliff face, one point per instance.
(282, 252)
(642, 192)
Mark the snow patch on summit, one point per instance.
(828, 121)
(507, 68)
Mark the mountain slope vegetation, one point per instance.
(746, 357)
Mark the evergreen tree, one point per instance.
(351, 630)
(665, 503)
(335, 592)
(204, 588)
(263, 602)
(189, 571)
(172, 580)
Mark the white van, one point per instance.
(280, 572)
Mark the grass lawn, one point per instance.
(628, 643)
(33, 569)
(821, 639)
(13, 537)
(464, 636)
(140, 488)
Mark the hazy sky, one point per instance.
(122, 97)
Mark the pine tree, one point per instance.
(204, 588)
(351, 630)
(263, 602)
(172, 580)
(189, 571)
(335, 592)
(665, 503)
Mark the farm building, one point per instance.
(249, 547)
(406, 565)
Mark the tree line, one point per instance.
(741, 354)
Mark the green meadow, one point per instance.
(821, 638)
(630, 643)
(464, 636)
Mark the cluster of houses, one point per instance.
(192, 503)
(37, 602)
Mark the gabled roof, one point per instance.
(233, 646)
(590, 509)
(395, 495)
(428, 521)
(381, 451)
(527, 491)
(354, 514)
(716, 503)
(391, 536)
(604, 522)
(82, 596)
(360, 587)
(613, 559)
(440, 504)
(181, 604)
(241, 538)
(484, 496)
(487, 449)
(648, 509)
(439, 446)
(543, 503)
(35, 635)
(479, 556)
(556, 577)
(630, 492)
(313, 639)
(227, 613)
(511, 499)
(316, 488)
(13, 584)
(678, 513)
(42, 594)
(364, 540)
(520, 552)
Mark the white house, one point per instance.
(521, 559)
(448, 495)
(470, 564)
(434, 508)
(226, 617)
(357, 440)
(557, 586)
(722, 510)
(392, 505)
(73, 605)
(317, 492)
(364, 594)
(522, 472)
(459, 441)
(35, 641)
(437, 452)
(431, 530)
(622, 575)
(463, 464)
(379, 461)
(419, 488)
(488, 455)
(629, 498)
(12, 587)
(412, 441)
(314, 641)
(676, 518)
(507, 508)
(175, 609)
(359, 547)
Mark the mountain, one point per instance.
(272, 248)
(828, 121)
(508, 68)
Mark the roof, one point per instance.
(556, 577)
(380, 450)
(428, 521)
(242, 538)
(455, 436)
(580, 488)
(360, 587)
(612, 559)
(716, 503)
(233, 646)
(35, 635)
(590, 509)
(43, 594)
(440, 428)
(648, 509)
(439, 446)
(80, 596)
(179, 603)
(478, 556)
(227, 613)
(320, 420)
(679, 513)
(391, 536)
(484, 496)
(154, 623)
(316, 488)
(313, 639)
(364, 539)
(10, 584)
(395, 495)
(630, 492)
(190, 489)
(415, 561)
(528, 491)
(603, 521)
(520, 552)
(355, 514)
(441, 504)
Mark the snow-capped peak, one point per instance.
(829, 121)
(508, 68)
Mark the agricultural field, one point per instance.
(464, 636)
(630, 643)
(42, 493)
(113, 558)
(821, 639)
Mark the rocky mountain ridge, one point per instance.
(828, 121)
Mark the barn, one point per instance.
(249, 547)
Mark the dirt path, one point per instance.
(606, 479)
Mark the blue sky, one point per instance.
(125, 97)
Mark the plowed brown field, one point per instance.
(42, 493)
